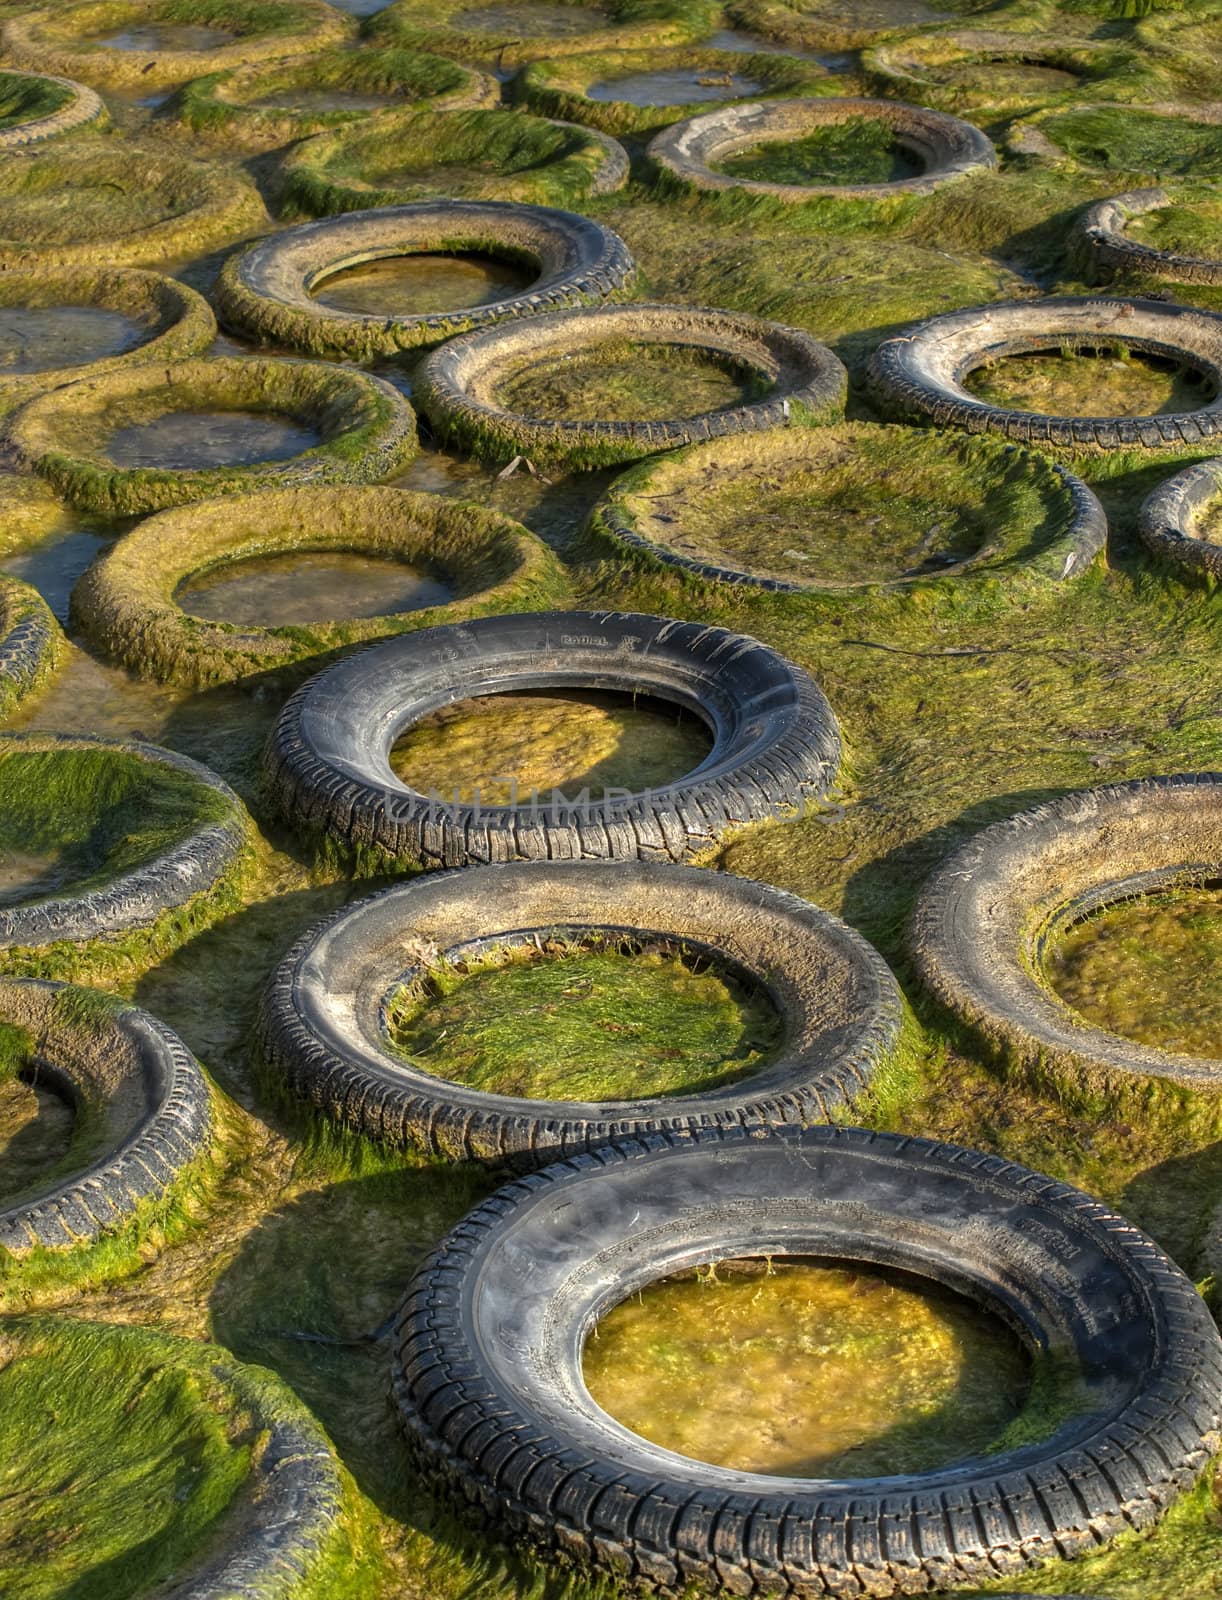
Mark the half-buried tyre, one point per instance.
(920, 374)
(490, 1387)
(269, 290)
(472, 388)
(1101, 233)
(1175, 521)
(141, 439)
(989, 919)
(141, 1104)
(469, 560)
(775, 741)
(30, 643)
(122, 851)
(689, 153)
(325, 1031)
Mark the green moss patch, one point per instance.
(351, 428)
(471, 155)
(94, 203)
(665, 85)
(1116, 382)
(1121, 139)
(508, 32)
(843, 24)
(585, 1019)
(25, 97)
(861, 150)
(277, 102)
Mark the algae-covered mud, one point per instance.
(1150, 969)
(861, 150)
(808, 1370)
(643, 382)
(308, 587)
(1105, 383)
(561, 1021)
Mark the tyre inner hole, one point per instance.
(1148, 968)
(165, 36)
(585, 1014)
(811, 1368)
(997, 76)
(627, 382)
(418, 285)
(182, 440)
(859, 150)
(554, 739)
(1091, 382)
(307, 586)
(36, 1130)
(44, 338)
(1194, 230)
(676, 86)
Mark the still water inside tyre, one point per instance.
(587, 1020)
(809, 1369)
(1149, 969)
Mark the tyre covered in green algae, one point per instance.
(30, 644)
(34, 107)
(343, 426)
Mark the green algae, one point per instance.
(861, 150)
(809, 1370)
(1115, 139)
(26, 99)
(1186, 229)
(506, 745)
(1149, 969)
(638, 382)
(584, 1019)
(1102, 383)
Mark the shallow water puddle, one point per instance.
(417, 285)
(807, 1370)
(308, 586)
(569, 741)
(861, 150)
(41, 338)
(317, 100)
(751, 43)
(165, 36)
(35, 1135)
(1087, 383)
(645, 384)
(553, 22)
(185, 439)
(680, 86)
(29, 875)
(1149, 969)
(587, 1024)
(1188, 230)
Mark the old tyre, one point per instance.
(151, 846)
(775, 739)
(174, 321)
(688, 152)
(920, 373)
(1101, 232)
(488, 1375)
(253, 106)
(507, 155)
(324, 1032)
(59, 39)
(456, 385)
(100, 203)
(44, 107)
(30, 643)
(1169, 521)
(127, 600)
(367, 431)
(973, 67)
(652, 512)
(988, 915)
(280, 1524)
(143, 1093)
(501, 38)
(268, 290)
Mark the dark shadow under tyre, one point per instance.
(920, 374)
(489, 1384)
(1169, 523)
(269, 289)
(142, 1109)
(775, 740)
(987, 918)
(324, 1013)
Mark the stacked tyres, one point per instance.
(323, 1019)
(776, 742)
(488, 1376)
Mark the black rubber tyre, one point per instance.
(123, 1067)
(198, 864)
(1167, 521)
(489, 1384)
(1100, 231)
(948, 149)
(920, 373)
(775, 739)
(268, 289)
(30, 642)
(987, 916)
(454, 384)
(324, 1032)
(81, 107)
